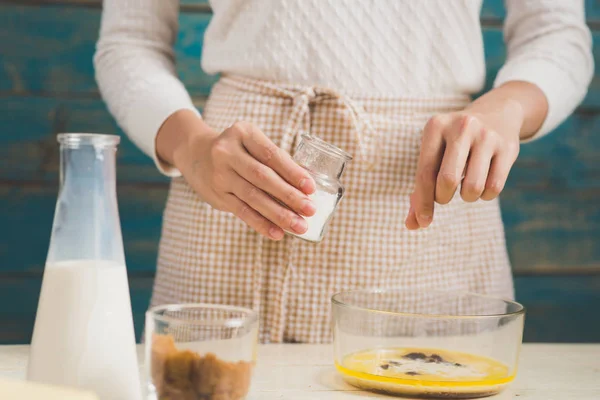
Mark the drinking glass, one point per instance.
(200, 351)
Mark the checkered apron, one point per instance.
(211, 256)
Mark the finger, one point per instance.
(267, 180)
(427, 169)
(476, 174)
(267, 207)
(411, 220)
(496, 179)
(251, 217)
(458, 145)
(265, 151)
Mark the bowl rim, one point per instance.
(335, 301)
(249, 318)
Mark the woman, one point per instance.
(387, 81)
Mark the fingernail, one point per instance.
(299, 225)
(308, 208)
(424, 220)
(275, 233)
(305, 185)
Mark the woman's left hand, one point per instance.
(474, 148)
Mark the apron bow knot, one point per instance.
(299, 122)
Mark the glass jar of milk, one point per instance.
(83, 334)
(325, 163)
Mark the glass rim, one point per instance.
(94, 139)
(249, 318)
(326, 147)
(336, 301)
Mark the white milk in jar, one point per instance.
(83, 321)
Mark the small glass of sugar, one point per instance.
(326, 164)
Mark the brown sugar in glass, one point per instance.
(200, 352)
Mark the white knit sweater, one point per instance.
(363, 47)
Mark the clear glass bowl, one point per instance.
(200, 351)
(427, 344)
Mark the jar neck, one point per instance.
(320, 160)
(86, 220)
(88, 166)
(324, 166)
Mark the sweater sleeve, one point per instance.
(549, 45)
(135, 69)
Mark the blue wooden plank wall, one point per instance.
(551, 205)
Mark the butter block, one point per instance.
(24, 390)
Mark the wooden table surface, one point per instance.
(305, 372)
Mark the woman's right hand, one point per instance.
(240, 171)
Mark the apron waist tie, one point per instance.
(299, 120)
